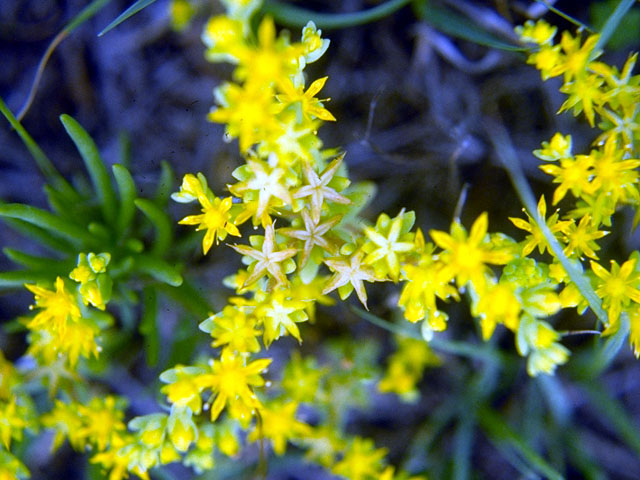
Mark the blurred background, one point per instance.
(414, 106)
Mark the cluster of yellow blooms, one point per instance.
(314, 243)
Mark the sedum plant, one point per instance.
(310, 245)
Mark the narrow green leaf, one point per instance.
(127, 191)
(129, 12)
(158, 269)
(97, 170)
(48, 221)
(149, 326)
(612, 23)
(35, 262)
(611, 346)
(462, 447)
(161, 222)
(500, 432)
(85, 14)
(617, 416)
(456, 25)
(292, 16)
(581, 457)
(165, 184)
(45, 165)
(41, 236)
(124, 142)
(17, 278)
(566, 16)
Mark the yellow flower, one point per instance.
(268, 260)
(537, 238)
(306, 101)
(361, 461)
(573, 174)
(234, 327)
(388, 243)
(581, 239)
(617, 288)
(349, 274)
(278, 424)
(280, 312)
(466, 256)
(498, 303)
(58, 307)
(231, 381)
(215, 218)
(557, 148)
(577, 57)
(406, 366)
(539, 32)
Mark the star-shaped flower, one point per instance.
(268, 184)
(312, 234)
(268, 260)
(349, 274)
(317, 188)
(386, 240)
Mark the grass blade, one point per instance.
(292, 16)
(161, 222)
(129, 12)
(498, 431)
(612, 23)
(615, 413)
(88, 12)
(45, 165)
(456, 25)
(97, 170)
(127, 190)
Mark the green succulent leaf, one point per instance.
(158, 269)
(96, 167)
(127, 191)
(48, 221)
(161, 222)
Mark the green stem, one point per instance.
(567, 17)
(291, 16)
(456, 348)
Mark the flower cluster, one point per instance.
(600, 182)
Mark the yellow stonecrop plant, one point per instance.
(311, 243)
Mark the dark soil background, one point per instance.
(413, 109)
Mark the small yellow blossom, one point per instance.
(617, 288)
(537, 238)
(231, 381)
(466, 255)
(278, 424)
(58, 307)
(215, 219)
